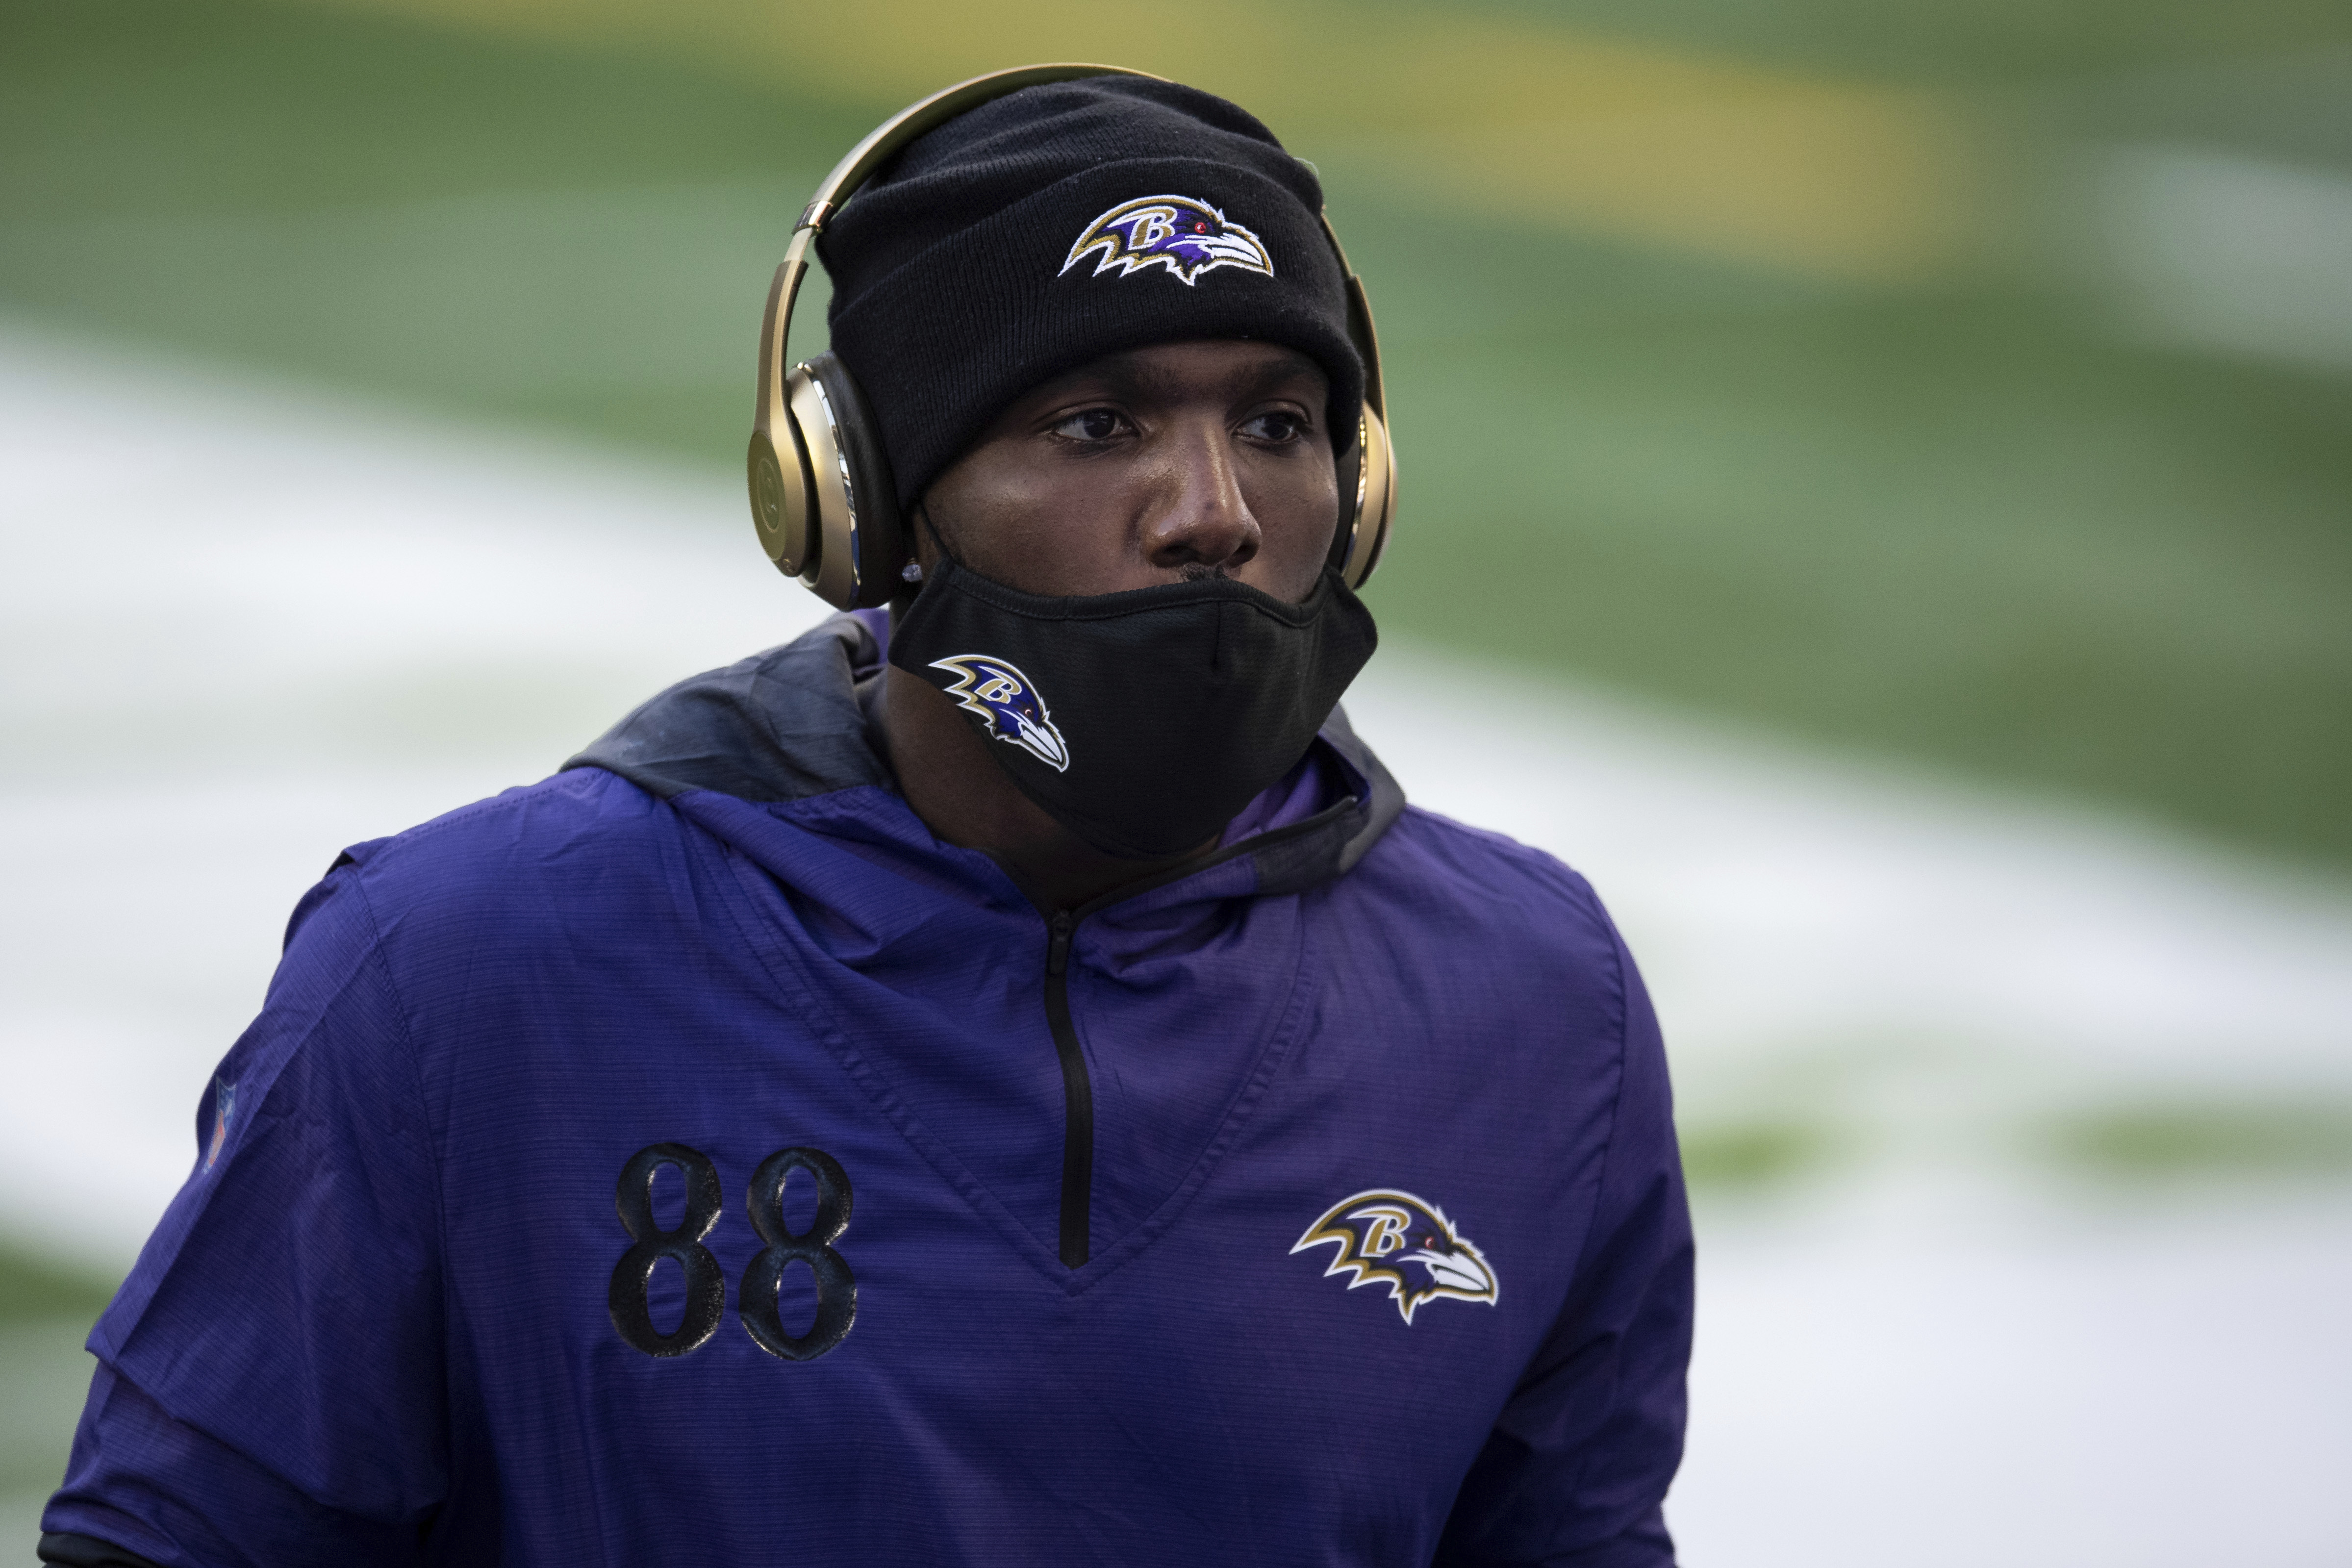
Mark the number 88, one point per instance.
(705, 1286)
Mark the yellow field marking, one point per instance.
(1504, 116)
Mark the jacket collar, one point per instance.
(787, 725)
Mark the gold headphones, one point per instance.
(822, 495)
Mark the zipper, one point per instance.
(1077, 1094)
(1077, 1089)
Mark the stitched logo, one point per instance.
(1001, 695)
(224, 1112)
(1394, 1239)
(1186, 235)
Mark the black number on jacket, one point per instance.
(836, 1287)
(705, 1286)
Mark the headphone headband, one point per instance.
(797, 513)
(927, 115)
(880, 144)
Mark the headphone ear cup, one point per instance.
(1367, 501)
(822, 469)
(780, 496)
(859, 543)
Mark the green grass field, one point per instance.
(1959, 518)
(45, 1310)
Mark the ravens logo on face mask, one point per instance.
(1394, 1239)
(1001, 695)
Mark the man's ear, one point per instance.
(923, 559)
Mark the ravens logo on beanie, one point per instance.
(1061, 223)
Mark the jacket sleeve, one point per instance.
(270, 1386)
(1576, 1468)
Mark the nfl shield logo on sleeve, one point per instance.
(224, 1112)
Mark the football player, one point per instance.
(1006, 1077)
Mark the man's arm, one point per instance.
(140, 1478)
(1577, 1466)
(86, 1552)
(270, 1386)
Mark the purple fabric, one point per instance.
(1306, 789)
(376, 1330)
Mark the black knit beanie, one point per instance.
(1061, 223)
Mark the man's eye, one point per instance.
(1091, 424)
(1280, 426)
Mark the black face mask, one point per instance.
(1143, 722)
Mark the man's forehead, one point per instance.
(1230, 365)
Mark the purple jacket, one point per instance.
(689, 1159)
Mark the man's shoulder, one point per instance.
(1488, 904)
(1451, 864)
(580, 840)
(508, 910)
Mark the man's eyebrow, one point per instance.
(1134, 376)
(1290, 365)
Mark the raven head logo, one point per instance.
(1186, 235)
(1000, 694)
(1393, 1238)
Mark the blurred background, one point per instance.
(1878, 498)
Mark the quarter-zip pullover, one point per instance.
(690, 1159)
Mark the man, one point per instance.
(821, 1125)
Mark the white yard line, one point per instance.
(242, 625)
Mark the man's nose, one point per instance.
(1202, 521)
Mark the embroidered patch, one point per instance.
(224, 1112)
(1394, 1239)
(1186, 235)
(1000, 694)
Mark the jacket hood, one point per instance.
(788, 724)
